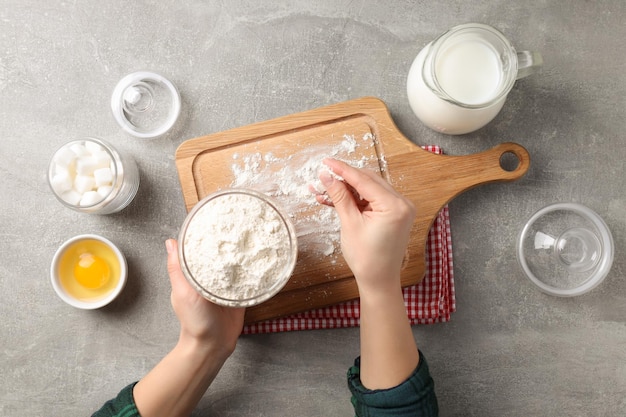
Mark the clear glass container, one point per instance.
(264, 292)
(145, 104)
(565, 249)
(91, 176)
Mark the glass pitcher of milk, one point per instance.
(458, 83)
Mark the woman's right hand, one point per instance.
(375, 224)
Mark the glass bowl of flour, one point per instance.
(237, 248)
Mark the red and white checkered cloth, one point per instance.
(430, 301)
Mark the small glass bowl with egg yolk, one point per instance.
(88, 271)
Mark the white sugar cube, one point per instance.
(90, 198)
(86, 165)
(61, 182)
(71, 197)
(64, 157)
(104, 190)
(93, 147)
(84, 183)
(70, 170)
(103, 176)
(102, 159)
(79, 150)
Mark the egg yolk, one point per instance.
(91, 271)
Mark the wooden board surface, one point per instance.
(280, 157)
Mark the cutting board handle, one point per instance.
(431, 181)
(505, 162)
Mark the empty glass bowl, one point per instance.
(566, 249)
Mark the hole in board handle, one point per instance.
(509, 161)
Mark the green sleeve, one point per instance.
(414, 397)
(121, 406)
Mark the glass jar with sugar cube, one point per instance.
(91, 176)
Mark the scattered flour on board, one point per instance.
(235, 246)
(287, 180)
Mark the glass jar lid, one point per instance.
(145, 104)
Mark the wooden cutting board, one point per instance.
(279, 156)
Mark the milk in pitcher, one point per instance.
(469, 74)
(479, 76)
(458, 83)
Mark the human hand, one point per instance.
(208, 336)
(202, 321)
(375, 224)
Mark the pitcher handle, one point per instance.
(528, 63)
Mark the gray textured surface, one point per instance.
(508, 350)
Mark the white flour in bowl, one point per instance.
(236, 246)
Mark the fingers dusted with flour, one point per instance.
(337, 192)
(375, 222)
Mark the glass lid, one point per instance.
(145, 104)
